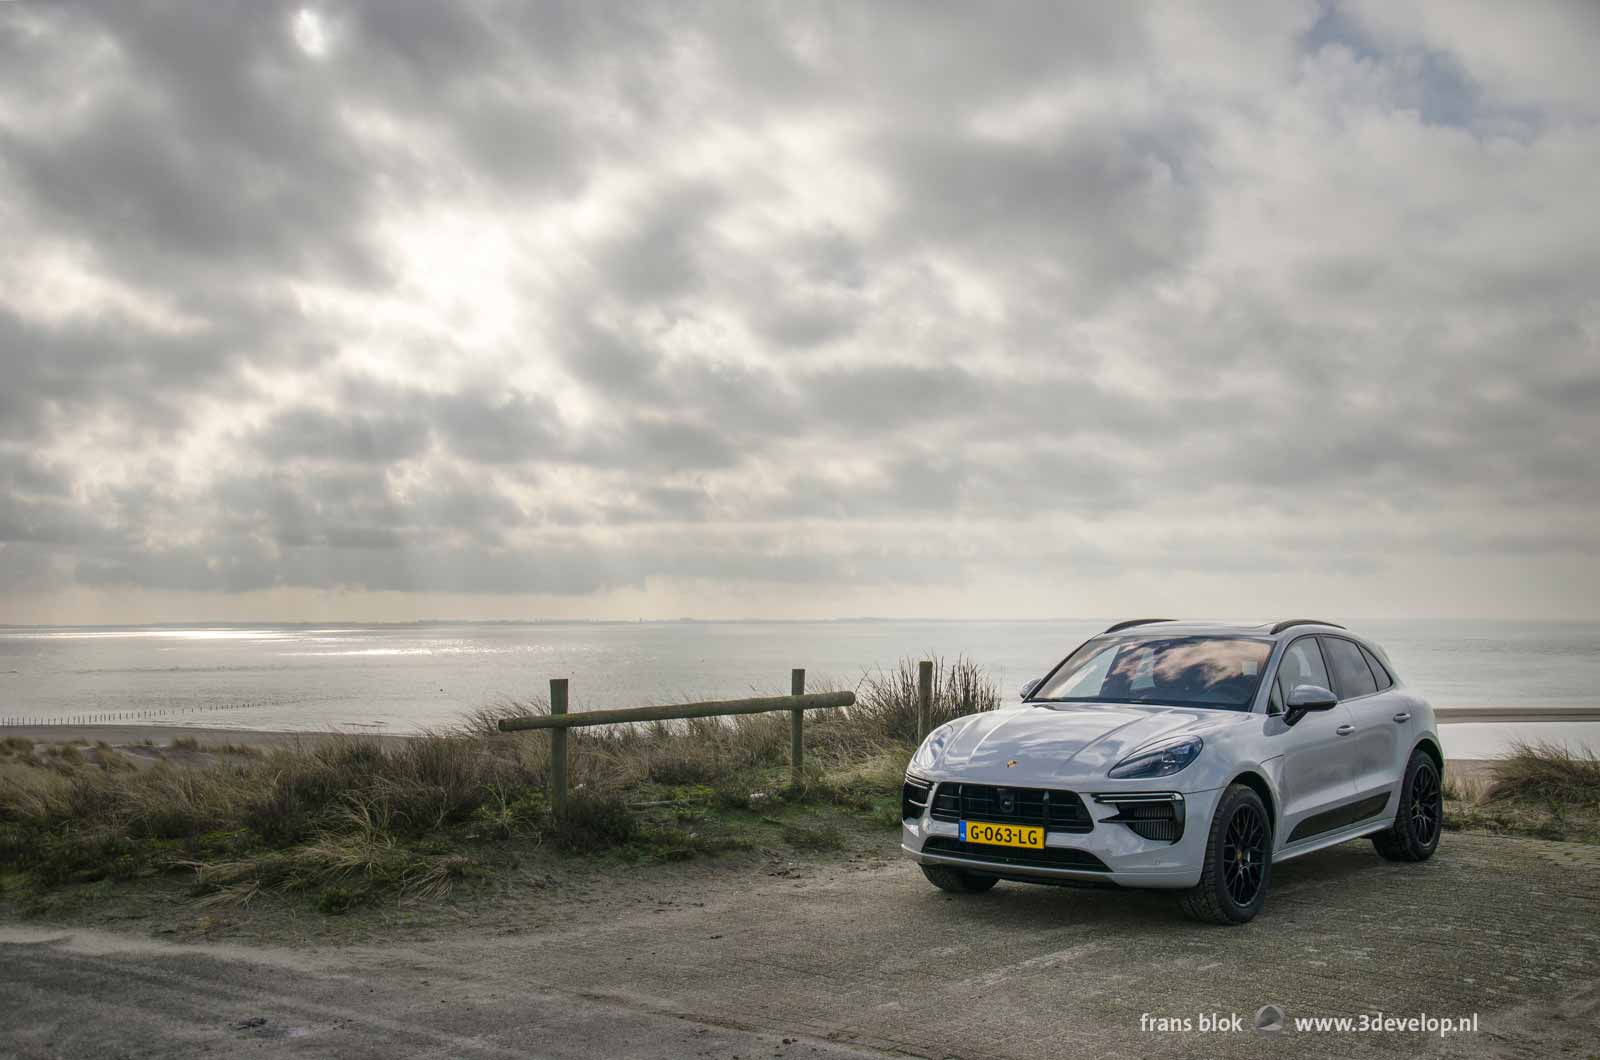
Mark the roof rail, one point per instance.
(1286, 623)
(1136, 622)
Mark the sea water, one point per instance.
(404, 678)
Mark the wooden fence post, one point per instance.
(924, 699)
(558, 747)
(797, 722)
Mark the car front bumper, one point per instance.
(1120, 856)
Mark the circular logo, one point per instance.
(1269, 1018)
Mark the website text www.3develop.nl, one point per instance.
(1271, 1019)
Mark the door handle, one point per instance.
(1403, 717)
(1345, 730)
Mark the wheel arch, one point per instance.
(1258, 784)
(1429, 746)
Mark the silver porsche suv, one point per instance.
(1191, 756)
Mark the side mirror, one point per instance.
(1311, 697)
(1029, 688)
(1303, 699)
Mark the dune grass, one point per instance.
(1540, 790)
(351, 820)
(1544, 772)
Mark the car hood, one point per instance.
(1063, 741)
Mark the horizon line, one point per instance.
(690, 620)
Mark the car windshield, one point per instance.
(1218, 673)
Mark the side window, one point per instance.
(1351, 677)
(1301, 665)
(1384, 677)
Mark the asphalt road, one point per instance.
(867, 959)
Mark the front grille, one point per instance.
(1048, 858)
(913, 797)
(1057, 811)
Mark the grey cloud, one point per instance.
(233, 566)
(528, 148)
(219, 152)
(660, 442)
(621, 366)
(24, 474)
(1345, 295)
(52, 521)
(1097, 208)
(666, 247)
(309, 433)
(499, 428)
(29, 567)
(559, 567)
(66, 369)
(879, 397)
(809, 323)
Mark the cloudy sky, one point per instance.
(404, 309)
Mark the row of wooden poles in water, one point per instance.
(117, 716)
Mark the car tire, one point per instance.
(1414, 836)
(956, 881)
(1238, 866)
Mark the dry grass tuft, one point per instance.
(887, 701)
(1547, 773)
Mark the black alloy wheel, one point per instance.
(1237, 870)
(1427, 805)
(1419, 821)
(1244, 854)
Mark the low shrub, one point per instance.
(591, 823)
(505, 814)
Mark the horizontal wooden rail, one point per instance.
(673, 712)
(559, 721)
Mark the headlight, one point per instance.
(1162, 761)
(932, 747)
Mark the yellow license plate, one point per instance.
(1003, 835)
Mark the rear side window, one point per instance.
(1351, 675)
(1379, 672)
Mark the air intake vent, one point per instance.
(914, 797)
(1151, 816)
